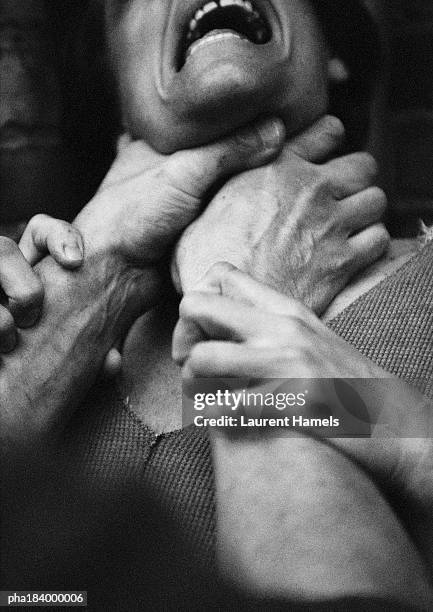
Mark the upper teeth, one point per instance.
(212, 6)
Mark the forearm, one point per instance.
(312, 526)
(56, 362)
(399, 454)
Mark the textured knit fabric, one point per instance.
(392, 325)
(109, 446)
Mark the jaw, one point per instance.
(222, 84)
(225, 66)
(175, 97)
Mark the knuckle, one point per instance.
(368, 164)
(222, 274)
(7, 246)
(379, 198)
(319, 184)
(333, 128)
(29, 296)
(383, 237)
(66, 231)
(221, 269)
(38, 220)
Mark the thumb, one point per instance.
(195, 171)
(319, 141)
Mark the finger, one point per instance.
(197, 170)
(61, 240)
(187, 333)
(112, 363)
(20, 284)
(222, 318)
(370, 244)
(321, 140)
(363, 209)
(221, 359)
(8, 335)
(351, 173)
(225, 279)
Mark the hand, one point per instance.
(233, 326)
(23, 292)
(147, 198)
(302, 226)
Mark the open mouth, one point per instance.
(224, 19)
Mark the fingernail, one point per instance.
(73, 252)
(272, 133)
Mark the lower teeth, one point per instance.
(210, 38)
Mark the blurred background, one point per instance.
(410, 108)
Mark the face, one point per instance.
(190, 71)
(34, 163)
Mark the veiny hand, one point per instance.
(147, 198)
(22, 291)
(301, 224)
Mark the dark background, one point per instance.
(410, 109)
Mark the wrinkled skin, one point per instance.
(266, 222)
(304, 237)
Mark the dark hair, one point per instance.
(91, 114)
(353, 35)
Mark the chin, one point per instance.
(210, 68)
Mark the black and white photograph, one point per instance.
(216, 305)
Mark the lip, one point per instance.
(17, 136)
(171, 80)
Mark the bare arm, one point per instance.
(297, 520)
(144, 202)
(296, 515)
